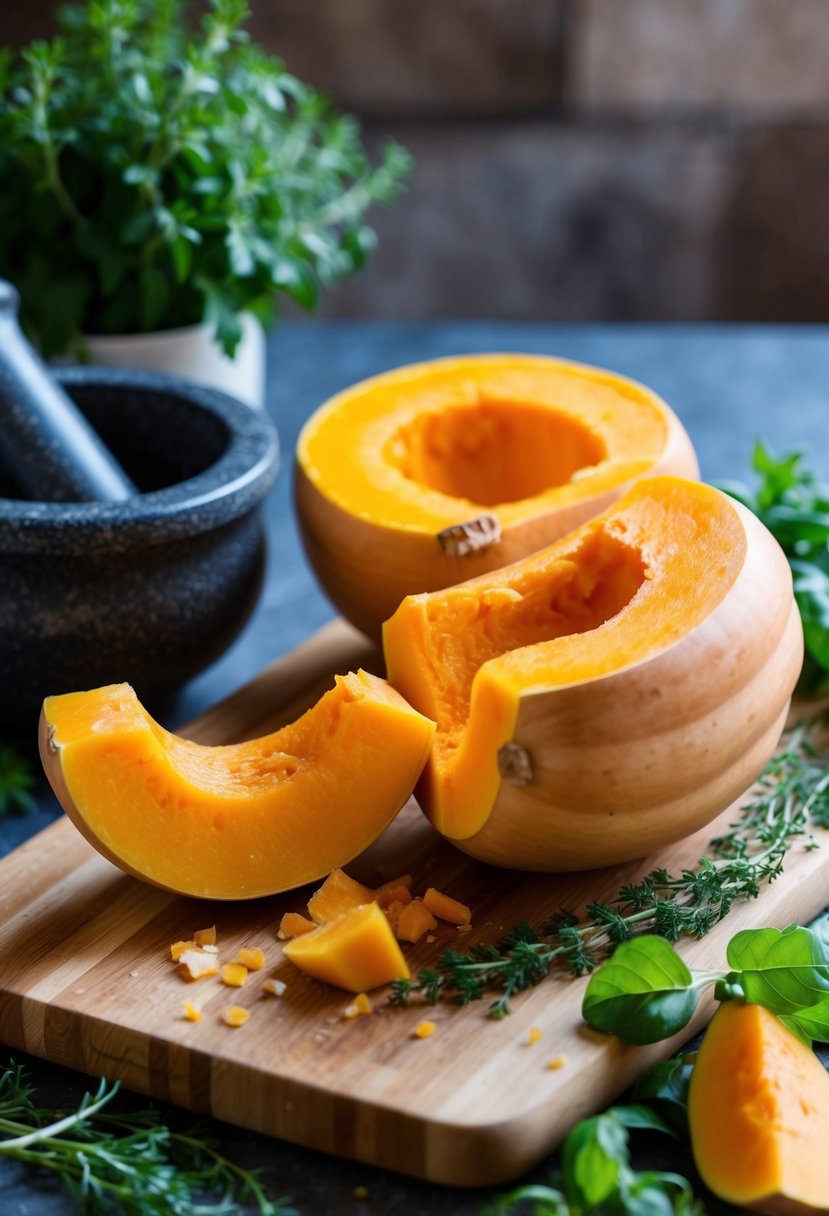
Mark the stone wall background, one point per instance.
(577, 159)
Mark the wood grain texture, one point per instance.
(85, 980)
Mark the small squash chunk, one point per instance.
(336, 895)
(438, 472)
(252, 957)
(609, 694)
(414, 920)
(758, 1109)
(357, 951)
(294, 924)
(241, 821)
(388, 895)
(444, 907)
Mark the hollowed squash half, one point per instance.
(609, 694)
(243, 820)
(436, 473)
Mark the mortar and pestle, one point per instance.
(131, 542)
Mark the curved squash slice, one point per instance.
(758, 1109)
(438, 472)
(609, 694)
(240, 821)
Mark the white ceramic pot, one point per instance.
(191, 352)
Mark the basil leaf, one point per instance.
(786, 971)
(644, 993)
(812, 1024)
(642, 1118)
(667, 1083)
(593, 1156)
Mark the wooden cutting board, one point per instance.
(86, 981)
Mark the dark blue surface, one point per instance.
(728, 384)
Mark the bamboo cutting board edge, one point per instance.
(84, 982)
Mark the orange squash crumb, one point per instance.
(446, 908)
(425, 1030)
(396, 889)
(534, 1035)
(235, 1016)
(359, 1006)
(234, 975)
(338, 894)
(557, 1062)
(360, 1192)
(274, 987)
(415, 919)
(191, 1012)
(178, 948)
(392, 913)
(195, 965)
(205, 937)
(251, 957)
(294, 924)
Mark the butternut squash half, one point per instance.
(244, 820)
(609, 694)
(758, 1109)
(436, 473)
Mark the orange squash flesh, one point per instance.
(336, 895)
(758, 1110)
(355, 951)
(536, 444)
(240, 821)
(609, 694)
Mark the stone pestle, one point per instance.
(46, 443)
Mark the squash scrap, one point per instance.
(178, 948)
(235, 1016)
(197, 964)
(191, 1013)
(338, 894)
(557, 1062)
(534, 1035)
(251, 957)
(293, 925)
(358, 1008)
(632, 685)
(355, 951)
(274, 987)
(397, 890)
(425, 1030)
(758, 1109)
(240, 821)
(234, 975)
(414, 920)
(460, 466)
(205, 937)
(445, 908)
(392, 913)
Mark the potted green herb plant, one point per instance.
(161, 188)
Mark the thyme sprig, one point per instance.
(791, 794)
(125, 1164)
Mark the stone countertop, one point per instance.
(729, 385)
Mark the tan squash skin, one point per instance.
(366, 566)
(622, 763)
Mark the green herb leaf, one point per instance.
(130, 1163)
(135, 128)
(643, 994)
(593, 1156)
(16, 784)
(810, 1024)
(784, 971)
